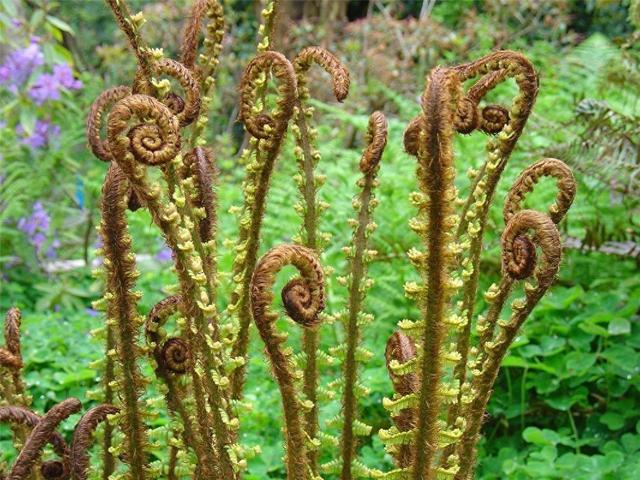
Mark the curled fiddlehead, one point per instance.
(329, 62)
(40, 436)
(309, 302)
(376, 139)
(82, 438)
(265, 125)
(105, 100)
(154, 141)
(524, 184)
(10, 357)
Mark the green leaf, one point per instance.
(578, 362)
(59, 24)
(619, 326)
(613, 420)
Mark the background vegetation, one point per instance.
(566, 402)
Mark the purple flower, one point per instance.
(47, 86)
(91, 312)
(19, 65)
(36, 226)
(164, 255)
(42, 134)
(52, 251)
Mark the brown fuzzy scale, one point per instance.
(520, 259)
(330, 63)
(546, 237)
(9, 360)
(54, 470)
(376, 138)
(435, 175)
(121, 308)
(82, 439)
(176, 355)
(189, 47)
(283, 70)
(106, 99)
(187, 109)
(199, 164)
(524, 184)
(261, 297)
(297, 301)
(40, 436)
(401, 348)
(412, 135)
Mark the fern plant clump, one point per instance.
(442, 364)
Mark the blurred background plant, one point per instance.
(566, 403)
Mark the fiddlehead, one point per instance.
(546, 237)
(40, 436)
(269, 131)
(359, 256)
(524, 184)
(306, 308)
(308, 156)
(82, 438)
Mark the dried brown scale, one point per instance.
(524, 184)
(187, 109)
(9, 360)
(493, 118)
(330, 63)
(100, 147)
(82, 439)
(264, 125)
(39, 437)
(163, 134)
(520, 259)
(298, 303)
(402, 349)
(376, 139)
(261, 297)
(467, 116)
(12, 323)
(546, 237)
(22, 416)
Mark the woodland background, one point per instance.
(567, 402)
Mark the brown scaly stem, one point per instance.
(340, 78)
(304, 300)
(435, 174)
(119, 263)
(271, 132)
(369, 165)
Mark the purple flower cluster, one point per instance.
(36, 227)
(43, 132)
(48, 85)
(19, 65)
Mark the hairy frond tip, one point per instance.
(525, 183)
(265, 125)
(376, 138)
(412, 134)
(10, 356)
(189, 47)
(82, 439)
(106, 99)
(330, 63)
(149, 143)
(518, 253)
